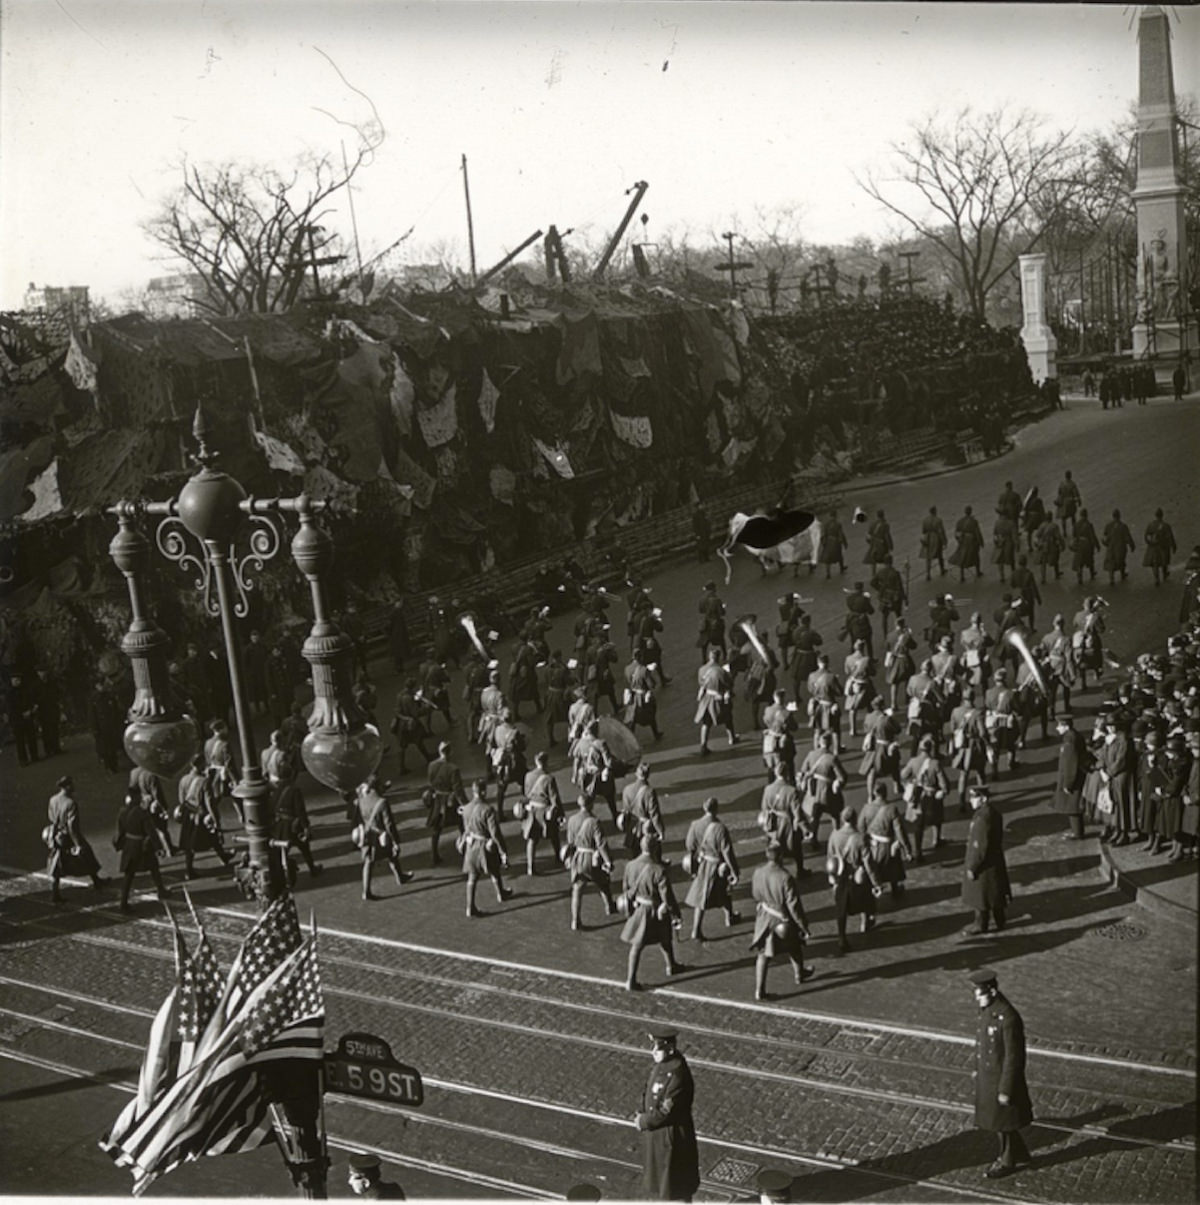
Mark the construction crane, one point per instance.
(639, 191)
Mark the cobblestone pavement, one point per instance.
(859, 1082)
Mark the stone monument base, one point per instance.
(1168, 339)
(1041, 350)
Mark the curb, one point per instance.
(1145, 897)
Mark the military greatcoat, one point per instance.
(671, 1157)
(1000, 1069)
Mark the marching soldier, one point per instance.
(1060, 663)
(640, 812)
(1033, 515)
(852, 877)
(1001, 718)
(859, 668)
(507, 757)
(857, 624)
(543, 810)
(443, 797)
(594, 770)
(650, 905)
(221, 769)
(640, 705)
(832, 549)
(825, 703)
(888, 586)
(972, 749)
(522, 678)
(975, 658)
(945, 674)
(781, 817)
(559, 680)
(785, 629)
(476, 679)
(1067, 502)
(712, 621)
(879, 541)
(780, 926)
(408, 724)
(933, 542)
(887, 843)
(925, 789)
(435, 690)
(599, 677)
(942, 617)
(1118, 544)
(1084, 546)
(898, 664)
(199, 829)
(1049, 543)
(1008, 505)
(1002, 1104)
(880, 746)
(1160, 547)
(1087, 641)
(587, 859)
(483, 848)
(779, 736)
(375, 833)
(137, 841)
(968, 545)
(714, 698)
(292, 825)
(1005, 538)
(492, 704)
(822, 780)
(714, 868)
(806, 641)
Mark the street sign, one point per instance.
(363, 1065)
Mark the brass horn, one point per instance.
(1015, 637)
(468, 622)
(746, 623)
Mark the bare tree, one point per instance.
(984, 187)
(254, 232)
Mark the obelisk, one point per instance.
(1159, 326)
(1041, 347)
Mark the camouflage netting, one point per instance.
(466, 431)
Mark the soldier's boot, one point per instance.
(529, 871)
(631, 980)
(471, 909)
(502, 893)
(577, 907)
(366, 882)
(697, 924)
(610, 905)
(800, 972)
(731, 917)
(401, 876)
(760, 977)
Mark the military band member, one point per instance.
(714, 868)
(587, 859)
(650, 905)
(714, 699)
(825, 703)
(483, 848)
(1002, 1104)
(806, 641)
(780, 926)
(543, 810)
(1001, 718)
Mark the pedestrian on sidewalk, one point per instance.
(780, 926)
(670, 1156)
(1074, 761)
(985, 889)
(1002, 1104)
(136, 839)
(70, 852)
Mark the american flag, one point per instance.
(199, 994)
(218, 1105)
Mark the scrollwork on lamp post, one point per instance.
(341, 749)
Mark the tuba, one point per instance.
(467, 620)
(746, 623)
(1015, 638)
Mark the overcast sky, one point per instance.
(725, 108)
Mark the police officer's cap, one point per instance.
(1064, 717)
(983, 977)
(660, 1035)
(363, 1162)
(773, 1184)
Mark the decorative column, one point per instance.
(1162, 326)
(1041, 347)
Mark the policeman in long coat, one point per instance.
(1002, 1103)
(985, 887)
(671, 1158)
(1074, 761)
(780, 926)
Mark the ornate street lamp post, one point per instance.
(341, 748)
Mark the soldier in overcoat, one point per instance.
(542, 810)
(136, 839)
(375, 833)
(780, 926)
(781, 816)
(968, 546)
(714, 699)
(671, 1158)
(1118, 544)
(713, 866)
(587, 859)
(933, 542)
(483, 848)
(443, 797)
(985, 888)
(649, 902)
(1002, 1104)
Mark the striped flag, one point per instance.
(219, 1104)
(199, 994)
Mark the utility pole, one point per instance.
(639, 191)
(732, 265)
(470, 223)
(909, 278)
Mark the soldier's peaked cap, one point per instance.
(663, 1033)
(982, 976)
(361, 1162)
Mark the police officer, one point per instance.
(366, 1180)
(1002, 1104)
(985, 887)
(671, 1158)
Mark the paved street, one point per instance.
(858, 1083)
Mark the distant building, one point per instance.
(174, 296)
(70, 301)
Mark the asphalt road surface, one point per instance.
(533, 1054)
